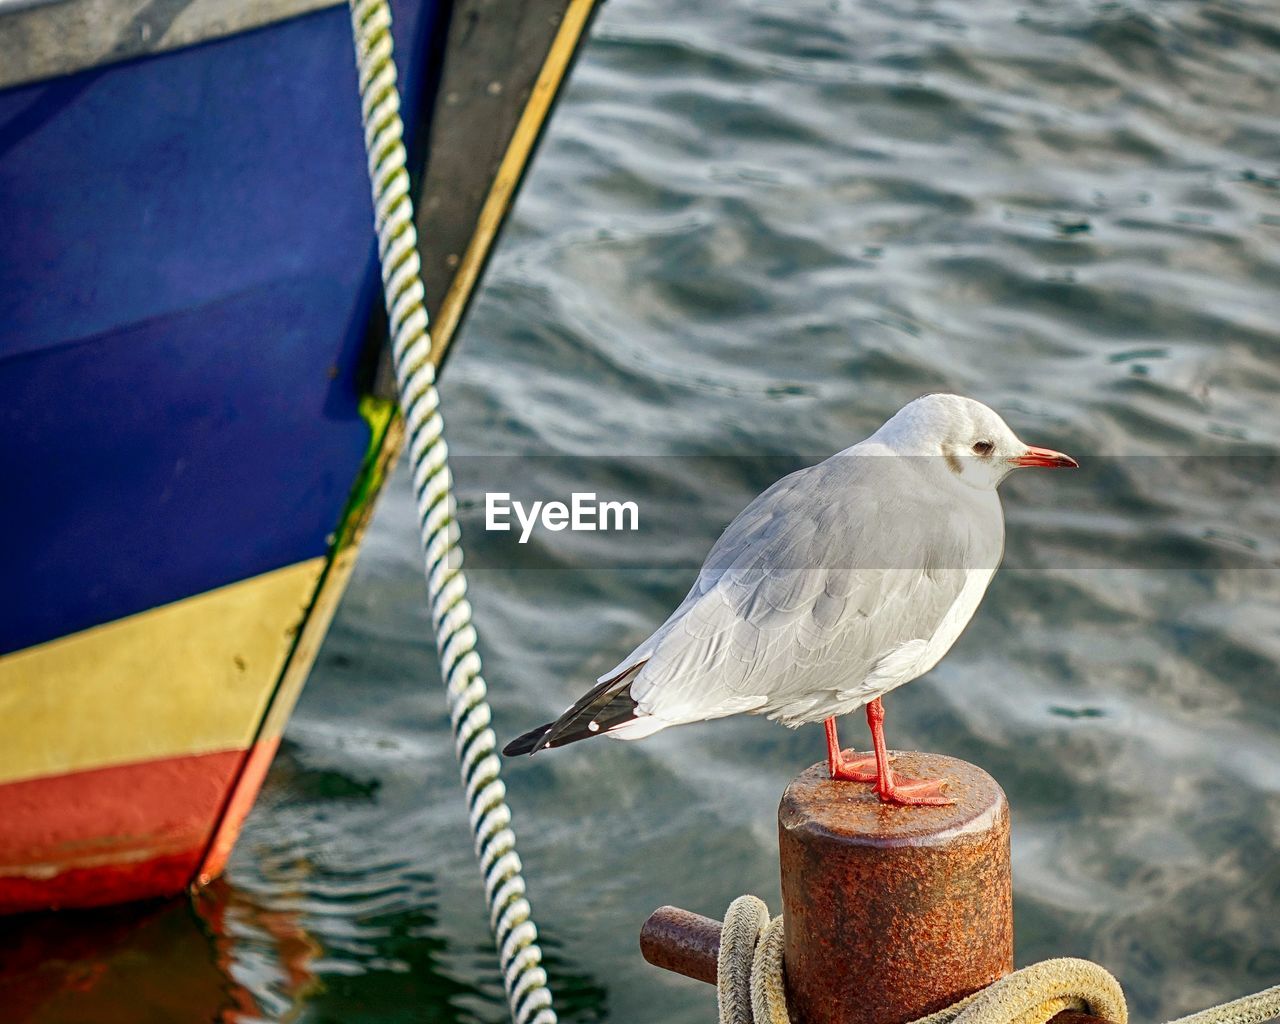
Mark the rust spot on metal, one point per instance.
(683, 942)
(893, 912)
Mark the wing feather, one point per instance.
(828, 587)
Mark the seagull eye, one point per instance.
(983, 448)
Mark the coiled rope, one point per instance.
(475, 744)
(749, 983)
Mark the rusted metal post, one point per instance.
(893, 912)
(689, 944)
(684, 943)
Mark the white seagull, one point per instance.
(838, 584)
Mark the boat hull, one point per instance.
(193, 435)
(118, 833)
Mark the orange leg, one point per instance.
(847, 769)
(898, 791)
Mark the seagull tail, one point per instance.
(604, 708)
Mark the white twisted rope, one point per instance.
(509, 913)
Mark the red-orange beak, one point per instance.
(1046, 457)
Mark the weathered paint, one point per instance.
(185, 333)
(386, 440)
(190, 677)
(239, 802)
(110, 834)
(206, 428)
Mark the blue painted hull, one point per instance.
(186, 279)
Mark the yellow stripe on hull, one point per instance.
(190, 677)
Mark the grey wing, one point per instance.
(814, 596)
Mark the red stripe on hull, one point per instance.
(111, 834)
(100, 885)
(241, 803)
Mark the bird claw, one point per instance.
(854, 768)
(915, 792)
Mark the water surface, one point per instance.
(757, 229)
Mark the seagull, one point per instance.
(836, 585)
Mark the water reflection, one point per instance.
(234, 955)
(358, 899)
(172, 960)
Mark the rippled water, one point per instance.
(759, 228)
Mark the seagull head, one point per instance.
(970, 439)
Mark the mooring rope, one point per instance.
(475, 744)
(751, 990)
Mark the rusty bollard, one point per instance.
(891, 912)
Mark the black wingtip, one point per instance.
(528, 743)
